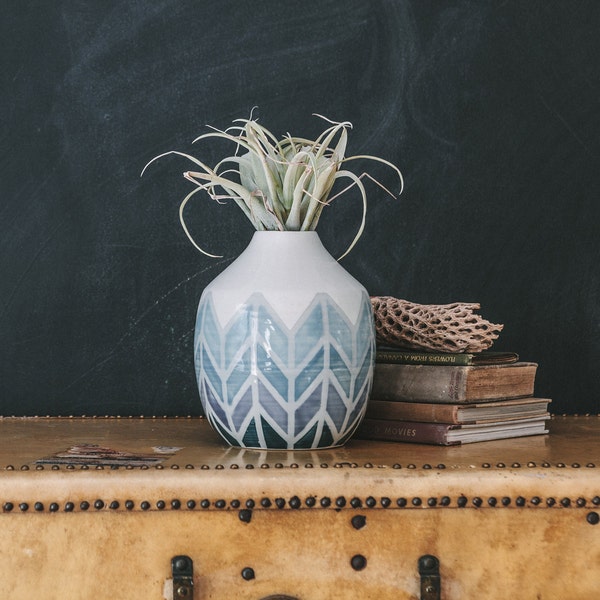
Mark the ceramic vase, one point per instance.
(284, 346)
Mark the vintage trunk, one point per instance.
(120, 508)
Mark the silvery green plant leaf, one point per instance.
(280, 185)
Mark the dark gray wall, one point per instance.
(491, 109)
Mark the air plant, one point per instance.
(280, 185)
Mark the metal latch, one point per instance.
(431, 584)
(182, 569)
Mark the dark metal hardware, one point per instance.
(358, 521)
(182, 569)
(431, 584)
(358, 562)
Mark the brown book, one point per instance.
(446, 434)
(425, 383)
(471, 412)
(409, 357)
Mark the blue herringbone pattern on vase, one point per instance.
(264, 385)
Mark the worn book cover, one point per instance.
(408, 357)
(446, 434)
(455, 384)
(471, 412)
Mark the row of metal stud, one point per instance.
(352, 465)
(311, 501)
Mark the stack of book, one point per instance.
(448, 399)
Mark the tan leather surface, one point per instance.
(305, 554)
(505, 519)
(23, 440)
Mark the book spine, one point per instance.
(408, 358)
(412, 411)
(419, 383)
(405, 431)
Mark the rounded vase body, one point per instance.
(284, 346)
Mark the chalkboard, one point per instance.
(491, 110)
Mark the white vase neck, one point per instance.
(295, 249)
(288, 268)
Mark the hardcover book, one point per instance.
(447, 434)
(456, 384)
(475, 412)
(409, 357)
